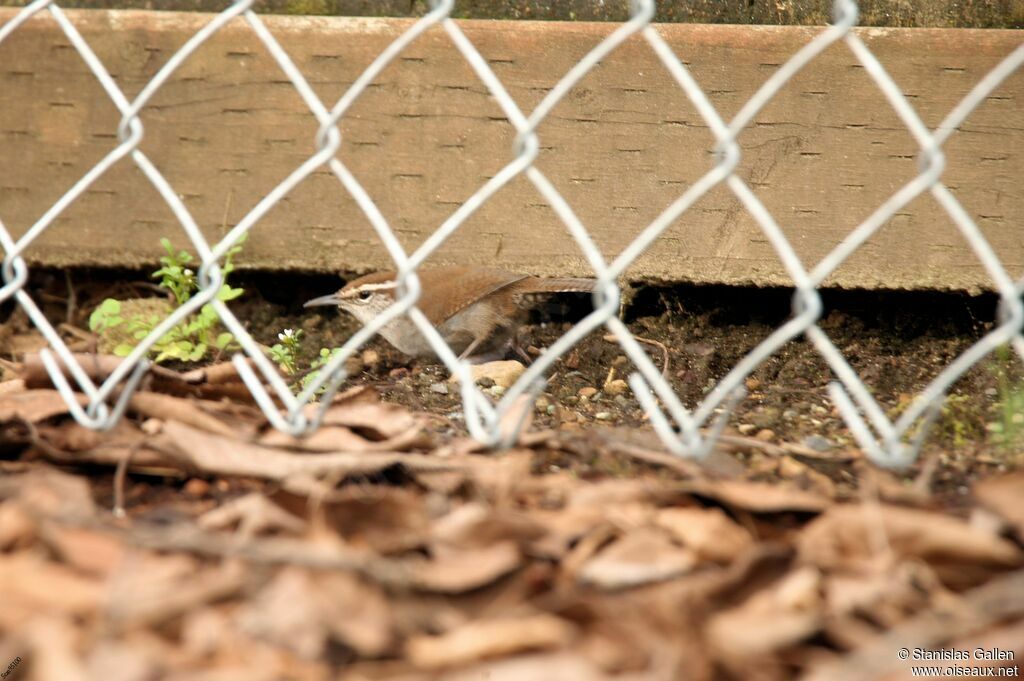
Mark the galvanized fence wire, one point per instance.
(684, 432)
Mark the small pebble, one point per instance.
(752, 384)
(441, 388)
(400, 372)
(371, 357)
(765, 435)
(616, 387)
(587, 391)
(603, 416)
(495, 391)
(818, 443)
(746, 428)
(790, 414)
(197, 487)
(619, 360)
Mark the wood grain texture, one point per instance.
(620, 147)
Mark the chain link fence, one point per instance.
(685, 432)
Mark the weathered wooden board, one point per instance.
(626, 142)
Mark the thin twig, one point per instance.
(119, 477)
(649, 341)
(72, 304)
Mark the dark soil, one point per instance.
(896, 341)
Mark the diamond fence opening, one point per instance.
(685, 431)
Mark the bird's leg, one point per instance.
(470, 348)
(518, 349)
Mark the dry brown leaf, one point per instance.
(778, 616)
(617, 492)
(150, 589)
(131, 659)
(554, 666)
(253, 514)
(11, 386)
(287, 613)
(225, 456)
(50, 492)
(35, 585)
(385, 518)
(1001, 600)
(340, 438)
(222, 372)
(562, 529)
(445, 483)
(34, 405)
(355, 612)
(806, 476)
(97, 367)
(885, 595)
(759, 497)
(90, 551)
(53, 647)
(74, 443)
(489, 638)
(475, 525)
(999, 646)
(458, 572)
(17, 528)
(377, 420)
(1004, 495)
(185, 410)
(709, 532)
(640, 557)
(850, 537)
(497, 475)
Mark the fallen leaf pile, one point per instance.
(385, 547)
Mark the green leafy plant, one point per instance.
(324, 357)
(188, 341)
(286, 353)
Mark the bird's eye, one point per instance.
(364, 296)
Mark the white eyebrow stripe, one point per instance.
(387, 285)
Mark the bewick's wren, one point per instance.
(477, 310)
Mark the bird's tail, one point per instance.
(535, 285)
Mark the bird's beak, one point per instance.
(331, 299)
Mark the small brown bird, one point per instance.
(477, 310)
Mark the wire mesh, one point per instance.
(685, 432)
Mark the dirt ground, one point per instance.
(896, 341)
(390, 546)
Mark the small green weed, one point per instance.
(325, 356)
(960, 421)
(286, 355)
(189, 341)
(1008, 429)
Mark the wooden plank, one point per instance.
(625, 143)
